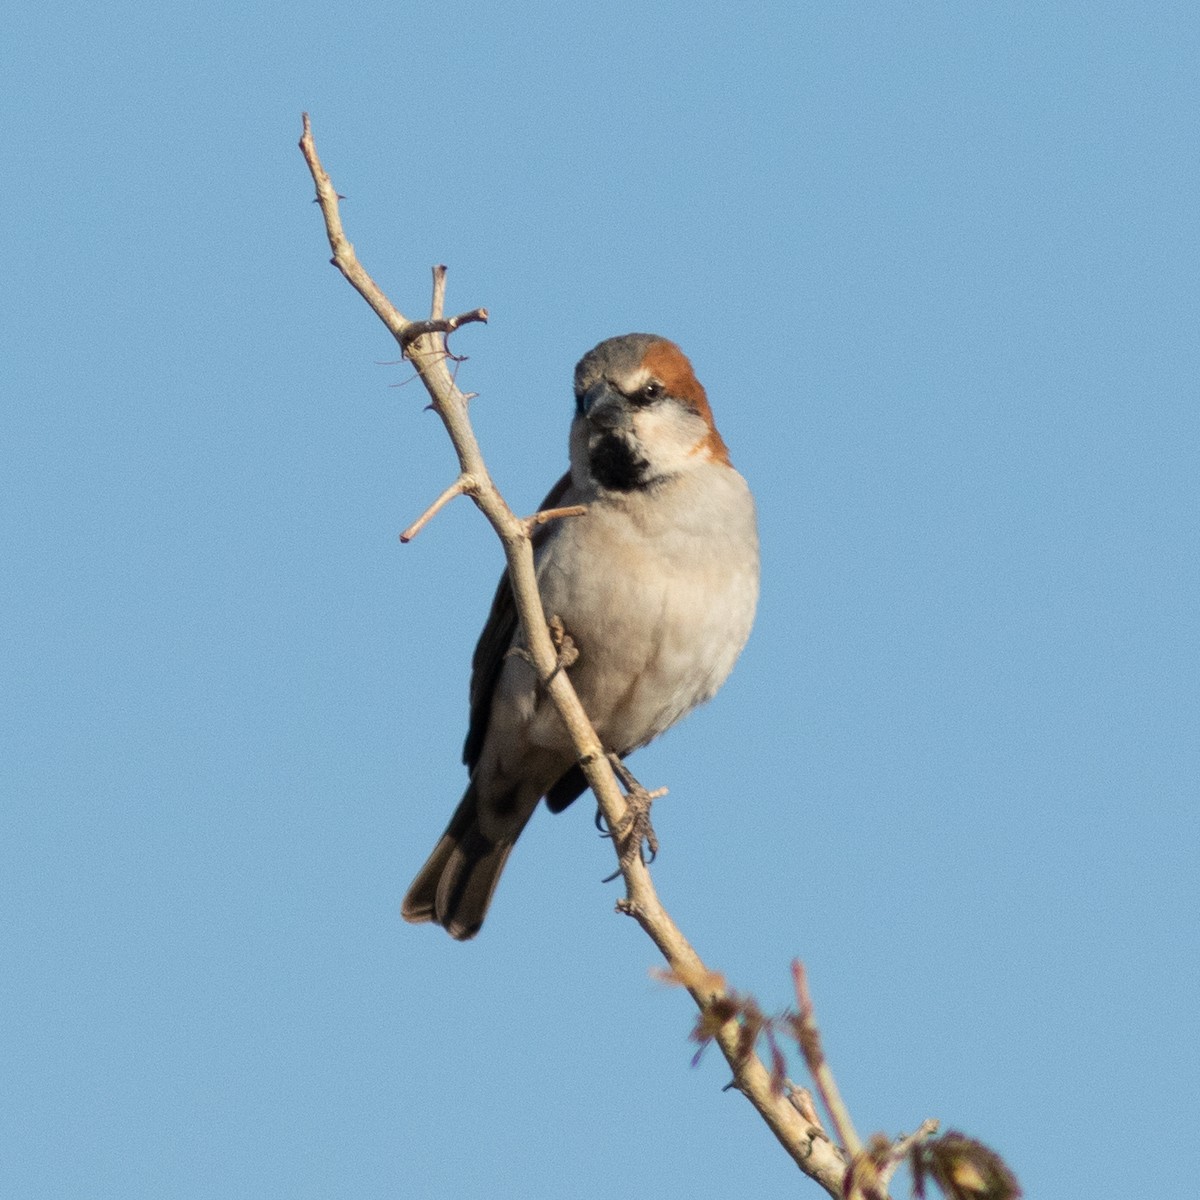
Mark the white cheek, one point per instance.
(669, 435)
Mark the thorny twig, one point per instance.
(723, 1015)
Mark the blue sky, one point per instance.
(936, 265)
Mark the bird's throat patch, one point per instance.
(616, 463)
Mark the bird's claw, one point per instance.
(564, 646)
(635, 828)
(565, 650)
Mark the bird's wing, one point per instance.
(497, 637)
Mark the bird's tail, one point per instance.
(454, 888)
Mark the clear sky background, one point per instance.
(936, 265)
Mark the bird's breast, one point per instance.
(658, 593)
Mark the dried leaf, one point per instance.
(963, 1168)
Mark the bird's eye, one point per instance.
(650, 392)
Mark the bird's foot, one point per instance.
(635, 828)
(564, 644)
(564, 648)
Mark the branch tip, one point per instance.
(437, 307)
(457, 488)
(552, 514)
(344, 257)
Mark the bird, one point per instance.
(655, 585)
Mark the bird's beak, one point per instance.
(605, 408)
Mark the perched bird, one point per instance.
(656, 586)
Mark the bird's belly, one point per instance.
(656, 643)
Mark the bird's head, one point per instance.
(641, 416)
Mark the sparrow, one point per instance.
(656, 585)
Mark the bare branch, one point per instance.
(344, 257)
(462, 484)
(445, 324)
(423, 345)
(553, 514)
(902, 1147)
(437, 306)
(809, 1037)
